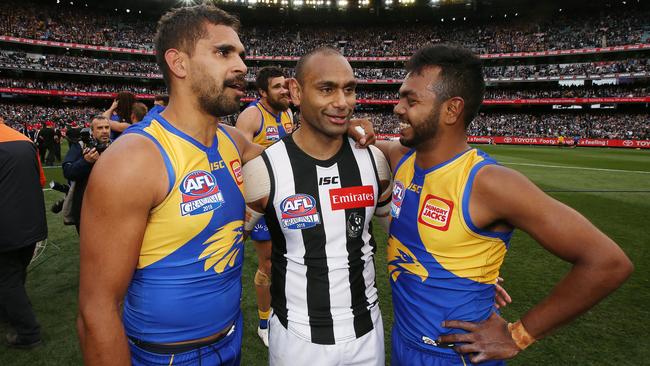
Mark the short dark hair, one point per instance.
(139, 110)
(461, 74)
(266, 73)
(300, 66)
(181, 28)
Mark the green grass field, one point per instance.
(610, 187)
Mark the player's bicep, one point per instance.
(126, 182)
(248, 122)
(557, 227)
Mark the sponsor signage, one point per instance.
(436, 212)
(552, 141)
(352, 197)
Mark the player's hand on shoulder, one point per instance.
(486, 340)
(362, 131)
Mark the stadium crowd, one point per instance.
(584, 125)
(80, 86)
(22, 60)
(491, 93)
(509, 34)
(31, 116)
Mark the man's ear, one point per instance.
(262, 93)
(294, 91)
(177, 62)
(452, 111)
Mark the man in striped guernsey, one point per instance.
(453, 211)
(318, 194)
(264, 122)
(162, 220)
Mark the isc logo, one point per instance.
(198, 183)
(328, 180)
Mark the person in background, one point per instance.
(120, 112)
(22, 225)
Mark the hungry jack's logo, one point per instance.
(436, 212)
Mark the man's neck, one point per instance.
(186, 115)
(316, 144)
(440, 149)
(268, 107)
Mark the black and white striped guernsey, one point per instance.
(319, 215)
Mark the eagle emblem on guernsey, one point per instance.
(223, 247)
(402, 260)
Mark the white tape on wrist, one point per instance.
(252, 217)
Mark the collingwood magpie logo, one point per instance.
(355, 225)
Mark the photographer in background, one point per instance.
(80, 160)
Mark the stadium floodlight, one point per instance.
(388, 3)
(364, 2)
(297, 3)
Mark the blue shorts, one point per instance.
(405, 353)
(261, 231)
(225, 352)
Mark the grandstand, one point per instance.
(578, 69)
(568, 60)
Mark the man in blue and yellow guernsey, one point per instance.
(453, 212)
(265, 121)
(162, 220)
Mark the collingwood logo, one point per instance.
(355, 225)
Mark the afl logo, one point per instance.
(299, 212)
(198, 183)
(398, 197)
(272, 133)
(199, 193)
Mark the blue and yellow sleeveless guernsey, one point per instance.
(187, 284)
(272, 127)
(441, 266)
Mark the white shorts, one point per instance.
(287, 349)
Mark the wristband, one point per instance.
(520, 335)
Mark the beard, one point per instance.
(423, 131)
(212, 97)
(277, 104)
